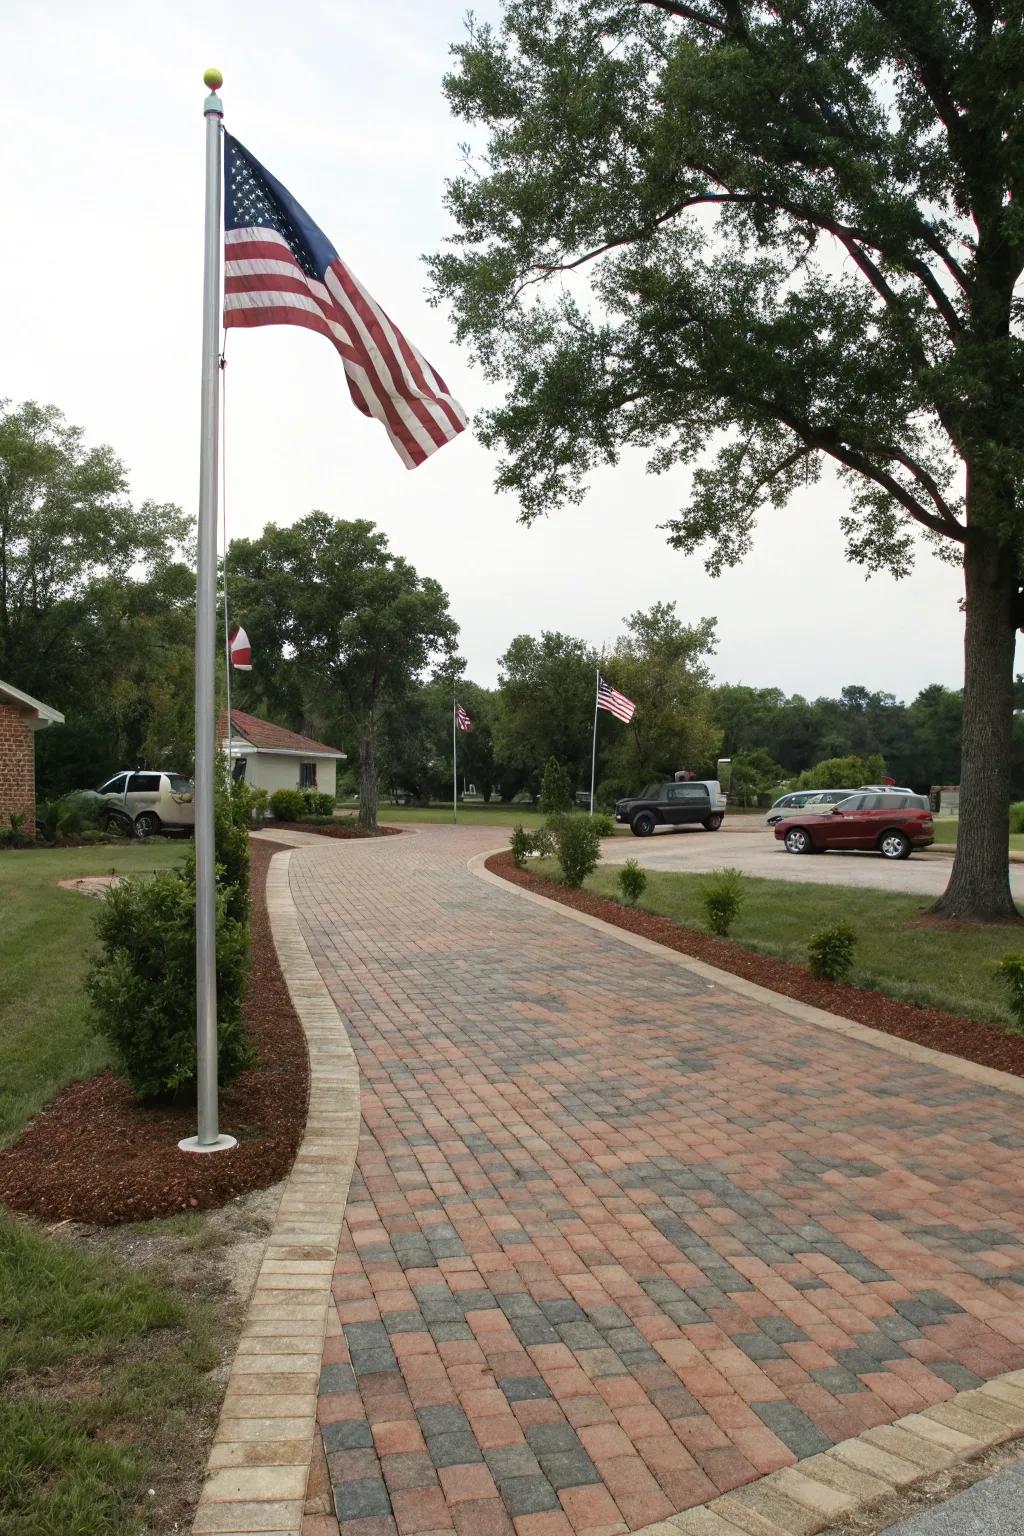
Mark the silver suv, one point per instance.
(150, 802)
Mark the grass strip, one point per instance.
(938, 966)
(46, 936)
(101, 1369)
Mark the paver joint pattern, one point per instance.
(619, 1241)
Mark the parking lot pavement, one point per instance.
(756, 852)
(618, 1239)
(994, 1507)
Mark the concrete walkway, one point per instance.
(618, 1239)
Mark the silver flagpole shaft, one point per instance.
(209, 1138)
(593, 750)
(455, 768)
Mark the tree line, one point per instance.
(353, 646)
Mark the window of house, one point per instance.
(307, 775)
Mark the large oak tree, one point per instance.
(795, 233)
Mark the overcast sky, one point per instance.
(102, 132)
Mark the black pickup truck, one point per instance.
(673, 805)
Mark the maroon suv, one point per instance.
(892, 824)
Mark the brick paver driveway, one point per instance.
(619, 1240)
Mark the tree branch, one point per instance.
(686, 13)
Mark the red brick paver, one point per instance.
(619, 1240)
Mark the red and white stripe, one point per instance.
(387, 377)
(614, 702)
(240, 650)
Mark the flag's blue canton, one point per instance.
(252, 197)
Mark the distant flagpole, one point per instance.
(455, 762)
(593, 750)
(208, 1138)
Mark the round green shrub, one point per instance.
(632, 882)
(830, 952)
(722, 898)
(579, 848)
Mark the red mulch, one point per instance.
(338, 829)
(94, 1154)
(947, 1032)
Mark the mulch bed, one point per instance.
(94, 1154)
(339, 829)
(951, 1033)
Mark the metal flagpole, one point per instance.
(455, 766)
(224, 570)
(209, 1138)
(593, 751)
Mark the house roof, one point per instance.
(43, 712)
(266, 737)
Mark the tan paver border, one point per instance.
(855, 1474)
(256, 1475)
(989, 1077)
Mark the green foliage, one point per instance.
(337, 616)
(602, 823)
(248, 804)
(1011, 970)
(1017, 816)
(722, 896)
(632, 882)
(143, 984)
(830, 952)
(578, 846)
(556, 789)
(317, 804)
(545, 705)
(58, 822)
(14, 835)
(756, 776)
(843, 773)
(287, 804)
(539, 843)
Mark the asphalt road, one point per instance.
(755, 851)
(994, 1507)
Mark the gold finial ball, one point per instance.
(213, 78)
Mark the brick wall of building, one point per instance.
(17, 766)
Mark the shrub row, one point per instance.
(297, 804)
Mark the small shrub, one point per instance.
(632, 882)
(522, 846)
(722, 897)
(14, 835)
(58, 822)
(556, 790)
(603, 824)
(830, 952)
(288, 804)
(248, 804)
(317, 804)
(1017, 816)
(579, 848)
(94, 835)
(1011, 969)
(539, 844)
(143, 984)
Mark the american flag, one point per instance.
(462, 720)
(614, 702)
(280, 269)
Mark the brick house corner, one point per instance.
(20, 717)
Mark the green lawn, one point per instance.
(947, 828)
(45, 937)
(496, 815)
(942, 969)
(103, 1371)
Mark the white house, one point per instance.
(269, 757)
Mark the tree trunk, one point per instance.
(368, 786)
(979, 886)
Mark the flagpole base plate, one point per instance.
(224, 1143)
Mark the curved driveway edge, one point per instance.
(974, 1071)
(260, 1459)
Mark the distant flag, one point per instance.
(280, 269)
(240, 650)
(462, 720)
(614, 702)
